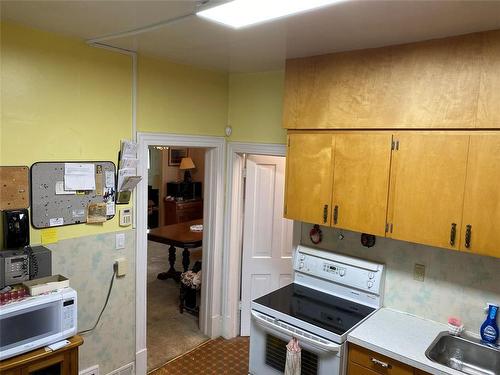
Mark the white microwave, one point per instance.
(37, 321)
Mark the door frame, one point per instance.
(233, 223)
(213, 210)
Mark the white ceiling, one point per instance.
(346, 25)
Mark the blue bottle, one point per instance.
(489, 329)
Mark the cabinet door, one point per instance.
(481, 219)
(427, 188)
(309, 177)
(306, 99)
(361, 181)
(355, 369)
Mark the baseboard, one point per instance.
(141, 362)
(128, 369)
(216, 327)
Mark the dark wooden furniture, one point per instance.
(177, 235)
(181, 211)
(39, 362)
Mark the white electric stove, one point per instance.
(331, 294)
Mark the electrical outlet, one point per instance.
(121, 266)
(120, 241)
(419, 272)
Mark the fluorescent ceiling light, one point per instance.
(241, 13)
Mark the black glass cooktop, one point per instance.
(332, 313)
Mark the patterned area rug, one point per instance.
(217, 357)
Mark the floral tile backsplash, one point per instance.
(88, 263)
(456, 283)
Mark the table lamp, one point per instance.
(186, 165)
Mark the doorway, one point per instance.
(259, 242)
(175, 215)
(211, 237)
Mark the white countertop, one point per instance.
(401, 336)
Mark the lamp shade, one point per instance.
(187, 163)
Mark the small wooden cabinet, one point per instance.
(39, 362)
(481, 213)
(366, 362)
(361, 181)
(308, 191)
(427, 188)
(181, 211)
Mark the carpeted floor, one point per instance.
(215, 357)
(169, 333)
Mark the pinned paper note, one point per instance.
(49, 235)
(60, 189)
(56, 221)
(79, 176)
(110, 179)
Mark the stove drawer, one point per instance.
(376, 362)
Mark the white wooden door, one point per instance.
(267, 236)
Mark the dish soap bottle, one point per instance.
(489, 329)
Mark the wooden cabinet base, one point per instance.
(37, 362)
(366, 362)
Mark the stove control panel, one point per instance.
(340, 269)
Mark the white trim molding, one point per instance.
(210, 314)
(233, 224)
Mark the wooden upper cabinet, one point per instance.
(308, 191)
(481, 214)
(361, 181)
(450, 83)
(488, 115)
(427, 188)
(306, 93)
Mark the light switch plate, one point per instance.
(419, 272)
(120, 241)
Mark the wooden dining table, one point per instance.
(177, 235)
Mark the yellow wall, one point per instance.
(62, 100)
(255, 107)
(180, 99)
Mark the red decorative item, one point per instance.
(315, 234)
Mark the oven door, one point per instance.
(268, 339)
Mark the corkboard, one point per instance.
(14, 188)
(68, 209)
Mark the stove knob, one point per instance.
(371, 275)
(369, 284)
(342, 272)
(301, 265)
(302, 257)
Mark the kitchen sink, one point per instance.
(467, 355)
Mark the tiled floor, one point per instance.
(215, 357)
(170, 333)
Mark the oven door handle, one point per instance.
(267, 322)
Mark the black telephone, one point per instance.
(16, 228)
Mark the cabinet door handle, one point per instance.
(453, 233)
(335, 214)
(377, 362)
(468, 235)
(325, 213)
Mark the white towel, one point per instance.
(293, 358)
